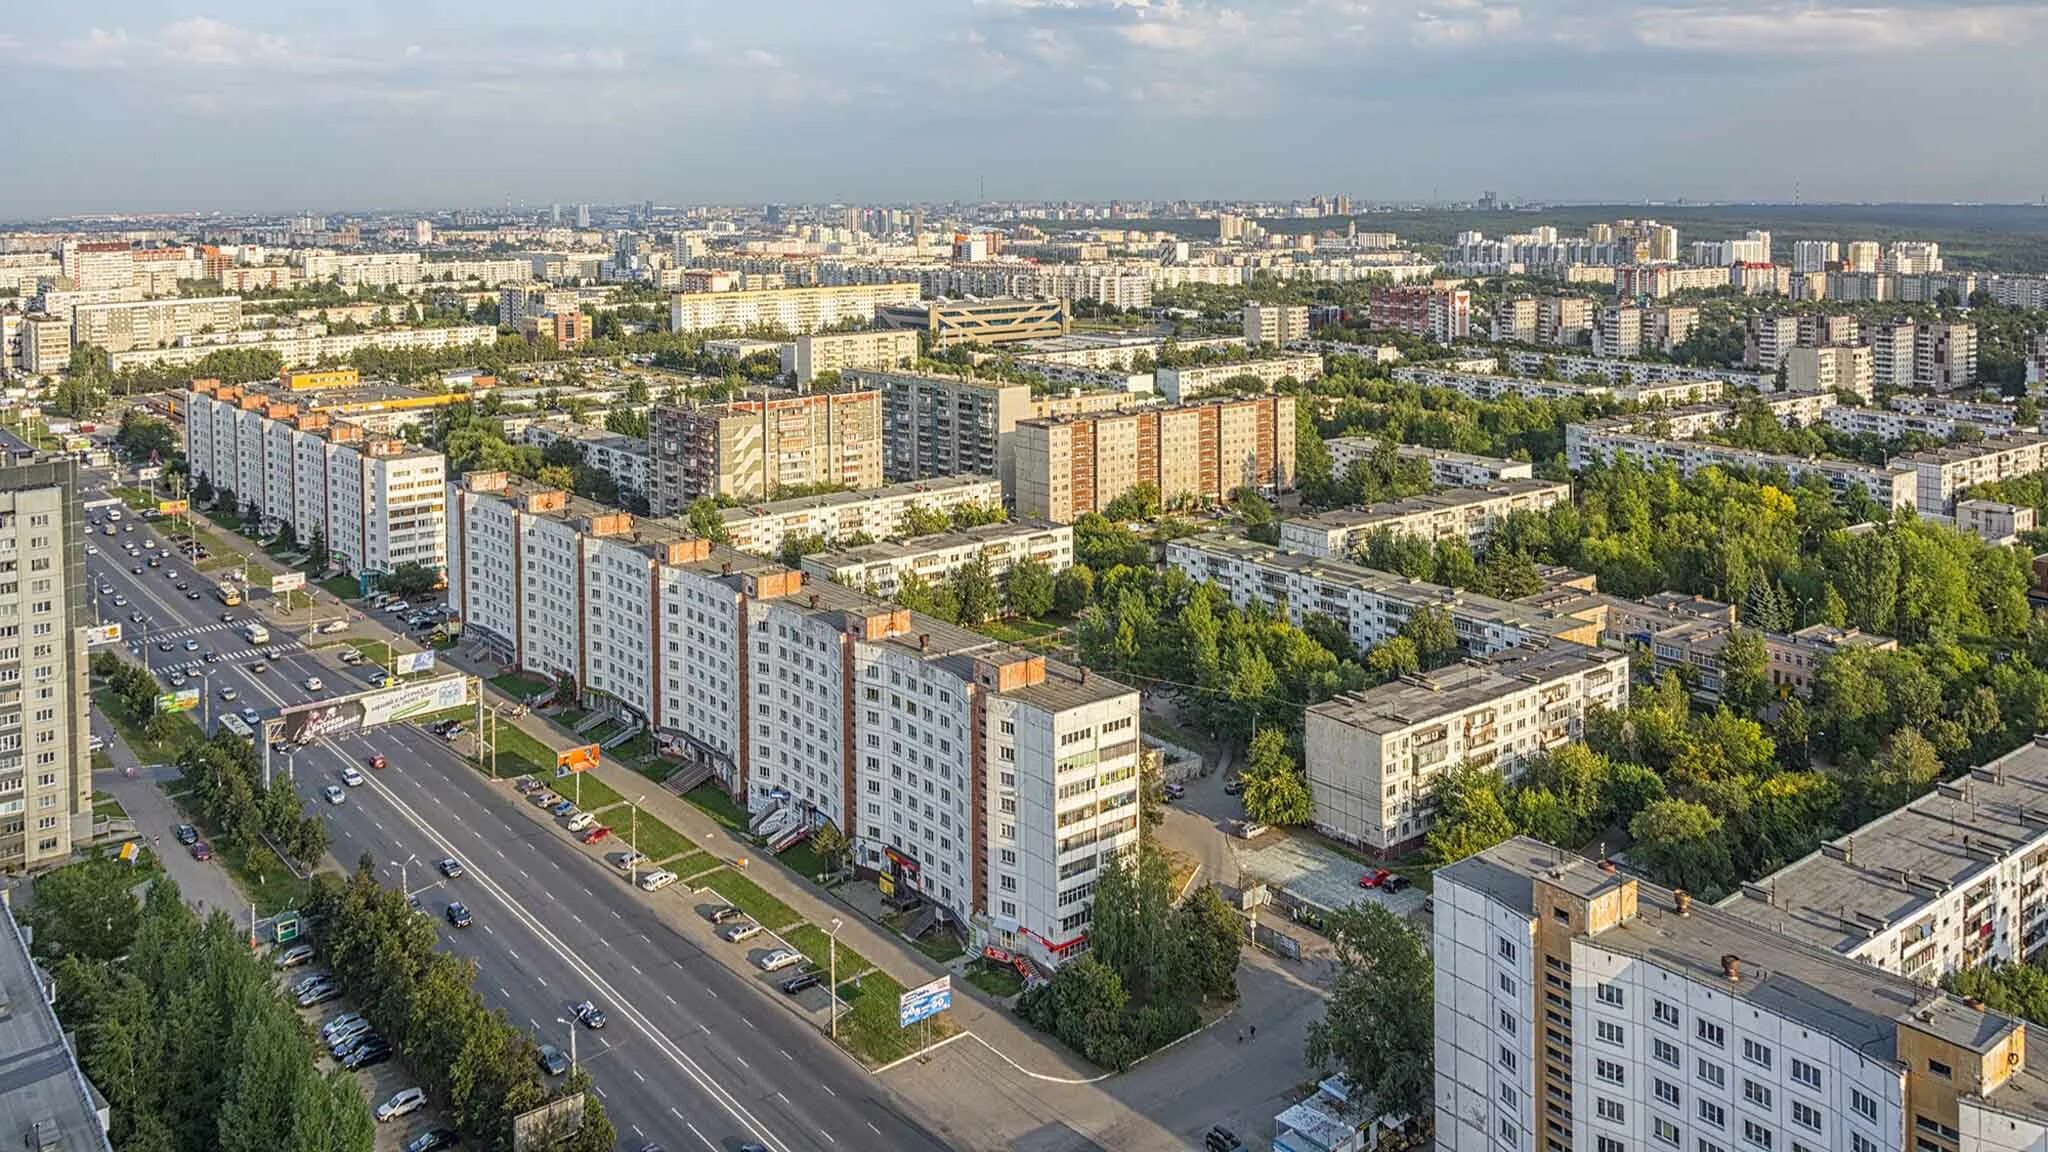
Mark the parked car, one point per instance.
(724, 913)
(335, 626)
(368, 1056)
(404, 1102)
(320, 995)
(552, 1061)
(779, 959)
(335, 1024)
(525, 785)
(1373, 878)
(581, 820)
(295, 955)
(589, 1015)
(802, 981)
(343, 1040)
(449, 866)
(1174, 791)
(1233, 786)
(739, 930)
(432, 1140)
(1395, 883)
(628, 860)
(656, 880)
(564, 808)
(187, 834)
(596, 835)
(201, 851)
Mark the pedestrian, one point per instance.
(1240, 1035)
(1255, 1031)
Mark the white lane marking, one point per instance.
(828, 1090)
(637, 1075)
(780, 1096)
(694, 1132)
(872, 1128)
(747, 1022)
(670, 999)
(709, 992)
(491, 930)
(682, 1060)
(786, 1055)
(829, 1136)
(502, 992)
(600, 1091)
(635, 968)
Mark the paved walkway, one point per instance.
(204, 885)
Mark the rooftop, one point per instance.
(936, 485)
(1467, 684)
(889, 550)
(1445, 501)
(1957, 453)
(39, 1079)
(1894, 868)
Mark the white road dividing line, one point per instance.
(743, 1061)
(786, 1055)
(872, 1128)
(682, 1060)
(694, 1132)
(637, 1075)
(828, 1089)
(828, 1136)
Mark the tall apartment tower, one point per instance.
(754, 449)
(45, 773)
(1515, 318)
(1944, 356)
(1891, 355)
(1618, 331)
(1280, 324)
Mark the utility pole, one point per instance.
(633, 843)
(832, 978)
(404, 885)
(571, 1026)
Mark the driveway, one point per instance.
(204, 885)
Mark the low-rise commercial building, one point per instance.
(1181, 385)
(877, 513)
(880, 568)
(1373, 757)
(1463, 514)
(1069, 466)
(946, 323)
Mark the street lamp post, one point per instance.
(832, 978)
(571, 1026)
(404, 886)
(633, 842)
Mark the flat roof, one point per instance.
(1413, 700)
(39, 1078)
(1889, 871)
(1447, 500)
(938, 484)
(884, 551)
(1957, 453)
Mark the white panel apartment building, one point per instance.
(1580, 1010)
(1448, 468)
(1942, 472)
(1372, 605)
(877, 513)
(881, 567)
(1609, 440)
(124, 327)
(1489, 386)
(1570, 367)
(1373, 757)
(792, 310)
(1180, 385)
(805, 357)
(1463, 514)
(982, 776)
(378, 502)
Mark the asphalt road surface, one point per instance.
(694, 1056)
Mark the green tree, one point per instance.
(1393, 658)
(1745, 671)
(1680, 842)
(975, 590)
(1073, 590)
(706, 521)
(1028, 587)
(1138, 502)
(1434, 635)
(409, 578)
(1378, 1024)
(1275, 791)
(1215, 933)
(317, 557)
(1470, 817)
(84, 910)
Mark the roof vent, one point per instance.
(1731, 966)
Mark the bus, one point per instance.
(229, 595)
(236, 725)
(256, 633)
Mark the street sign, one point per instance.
(406, 663)
(287, 927)
(173, 507)
(924, 1002)
(183, 700)
(100, 634)
(580, 759)
(287, 582)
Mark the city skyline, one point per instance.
(1027, 99)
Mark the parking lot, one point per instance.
(1318, 875)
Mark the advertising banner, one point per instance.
(407, 663)
(183, 700)
(173, 507)
(149, 472)
(100, 634)
(924, 1002)
(287, 582)
(310, 722)
(581, 759)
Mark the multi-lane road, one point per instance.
(695, 1056)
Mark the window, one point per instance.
(1609, 1033)
(1611, 1110)
(1507, 1058)
(1858, 1142)
(1508, 1135)
(1937, 1068)
(1609, 994)
(1864, 1105)
(1756, 1093)
(1707, 1145)
(1664, 1012)
(1664, 1052)
(1806, 1115)
(1713, 1114)
(1509, 1096)
(1507, 1022)
(1804, 1073)
(1712, 1073)
(1506, 948)
(1608, 1070)
(1608, 1144)
(1755, 1053)
(1712, 1033)
(1507, 984)
(1756, 1134)
(1666, 1091)
(1665, 1131)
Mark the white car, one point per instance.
(351, 777)
(334, 794)
(312, 684)
(403, 1103)
(581, 820)
(656, 880)
(779, 959)
(335, 626)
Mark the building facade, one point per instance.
(794, 311)
(880, 568)
(1069, 466)
(878, 513)
(1467, 515)
(807, 356)
(752, 449)
(944, 425)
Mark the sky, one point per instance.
(286, 105)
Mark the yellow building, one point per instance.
(309, 379)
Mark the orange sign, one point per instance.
(581, 759)
(172, 507)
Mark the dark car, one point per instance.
(368, 1056)
(724, 913)
(432, 1141)
(202, 851)
(458, 915)
(187, 834)
(802, 981)
(590, 1015)
(1395, 883)
(1233, 786)
(552, 1061)
(450, 867)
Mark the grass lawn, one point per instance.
(638, 746)
(812, 941)
(604, 731)
(998, 980)
(868, 1028)
(342, 586)
(105, 807)
(184, 733)
(655, 770)
(520, 685)
(694, 864)
(657, 840)
(752, 899)
(135, 498)
(519, 752)
(719, 806)
(943, 947)
(101, 762)
(803, 860)
(1018, 630)
(587, 790)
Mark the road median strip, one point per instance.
(750, 898)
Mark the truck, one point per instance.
(256, 633)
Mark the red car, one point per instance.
(1374, 878)
(201, 851)
(377, 761)
(593, 835)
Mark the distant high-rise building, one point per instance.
(1280, 324)
(555, 213)
(1814, 255)
(422, 232)
(1618, 331)
(1944, 356)
(583, 215)
(1913, 258)
(1862, 256)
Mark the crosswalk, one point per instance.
(189, 667)
(197, 630)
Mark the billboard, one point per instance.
(310, 722)
(149, 472)
(100, 634)
(924, 1002)
(407, 663)
(183, 700)
(579, 759)
(548, 1125)
(286, 582)
(173, 507)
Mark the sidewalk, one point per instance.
(204, 885)
(887, 951)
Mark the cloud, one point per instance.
(1800, 29)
